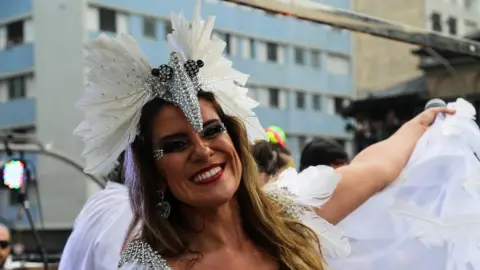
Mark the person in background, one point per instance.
(4, 246)
(99, 230)
(268, 160)
(277, 137)
(285, 155)
(322, 151)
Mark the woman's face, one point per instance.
(201, 169)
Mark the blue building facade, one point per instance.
(301, 72)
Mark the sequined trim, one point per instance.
(283, 198)
(142, 254)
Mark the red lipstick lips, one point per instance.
(209, 174)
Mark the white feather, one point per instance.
(312, 187)
(114, 96)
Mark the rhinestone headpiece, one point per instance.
(120, 81)
(177, 83)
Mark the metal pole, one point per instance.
(323, 14)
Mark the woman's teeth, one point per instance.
(206, 175)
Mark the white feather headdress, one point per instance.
(120, 81)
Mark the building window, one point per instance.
(252, 48)
(317, 102)
(17, 88)
(15, 33)
(150, 28)
(316, 59)
(228, 47)
(339, 105)
(470, 26)
(108, 21)
(272, 52)
(452, 26)
(468, 4)
(248, 48)
(436, 22)
(167, 28)
(300, 100)
(338, 64)
(299, 56)
(231, 43)
(273, 97)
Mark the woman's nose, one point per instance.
(201, 149)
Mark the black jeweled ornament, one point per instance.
(163, 72)
(193, 67)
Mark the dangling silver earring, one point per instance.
(163, 207)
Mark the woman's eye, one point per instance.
(214, 130)
(174, 146)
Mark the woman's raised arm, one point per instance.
(376, 167)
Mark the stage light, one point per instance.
(13, 174)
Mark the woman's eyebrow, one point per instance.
(179, 135)
(209, 122)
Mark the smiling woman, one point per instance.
(210, 182)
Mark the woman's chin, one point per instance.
(214, 200)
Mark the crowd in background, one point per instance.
(273, 157)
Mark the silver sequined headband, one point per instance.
(179, 84)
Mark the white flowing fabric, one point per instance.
(99, 231)
(311, 188)
(430, 218)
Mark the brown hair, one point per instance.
(294, 244)
(267, 158)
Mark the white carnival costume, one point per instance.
(120, 81)
(430, 218)
(99, 231)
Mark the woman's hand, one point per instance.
(426, 118)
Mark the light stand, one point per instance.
(23, 200)
(23, 181)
